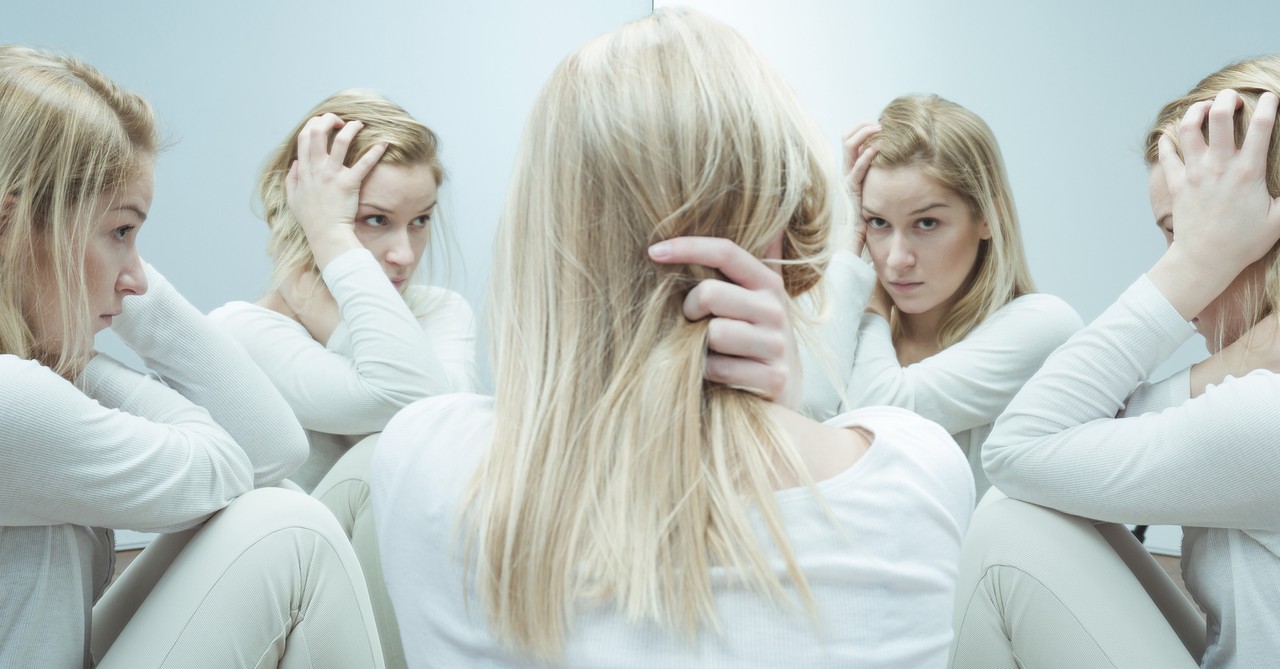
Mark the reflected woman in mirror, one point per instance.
(1049, 576)
(947, 322)
(345, 333)
(352, 199)
(242, 577)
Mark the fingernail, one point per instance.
(660, 251)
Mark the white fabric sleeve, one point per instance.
(969, 383)
(827, 349)
(1207, 463)
(1159, 395)
(393, 361)
(125, 450)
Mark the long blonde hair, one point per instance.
(70, 135)
(1249, 78)
(409, 143)
(957, 148)
(617, 474)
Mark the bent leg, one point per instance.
(1044, 590)
(268, 581)
(345, 490)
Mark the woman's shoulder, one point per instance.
(435, 423)
(1035, 317)
(905, 444)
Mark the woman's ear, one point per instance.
(984, 231)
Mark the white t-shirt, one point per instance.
(1209, 463)
(386, 352)
(963, 388)
(883, 589)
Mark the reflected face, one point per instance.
(112, 267)
(394, 217)
(1227, 316)
(922, 239)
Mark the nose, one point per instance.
(399, 250)
(133, 278)
(901, 256)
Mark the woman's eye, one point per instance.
(877, 223)
(927, 223)
(421, 221)
(375, 221)
(121, 232)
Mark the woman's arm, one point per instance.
(207, 367)
(969, 383)
(1209, 461)
(393, 359)
(1206, 462)
(120, 449)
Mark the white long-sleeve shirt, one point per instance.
(387, 351)
(120, 449)
(883, 579)
(1206, 463)
(964, 387)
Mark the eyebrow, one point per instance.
(921, 210)
(387, 211)
(135, 209)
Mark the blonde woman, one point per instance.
(246, 577)
(1088, 436)
(952, 326)
(611, 507)
(344, 333)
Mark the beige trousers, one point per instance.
(269, 581)
(345, 490)
(1041, 589)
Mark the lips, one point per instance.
(905, 286)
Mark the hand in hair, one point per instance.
(1224, 215)
(750, 340)
(857, 160)
(309, 301)
(322, 192)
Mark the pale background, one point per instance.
(1068, 87)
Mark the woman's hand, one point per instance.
(857, 160)
(310, 302)
(1224, 217)
(750, 340)
(322, 192)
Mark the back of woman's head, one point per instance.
(409, 143)
(1249, 78)
(955, 147)
(616, 471)
(69, 136)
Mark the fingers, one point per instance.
(313, 140)
(733, 261)
(739, 338)
(1257, 140)
(1222, 127)
(342, 141)
(726, 300)
(751, 375)
(1174, 169)
(855, 141)
(858, 173)
(369, 160)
